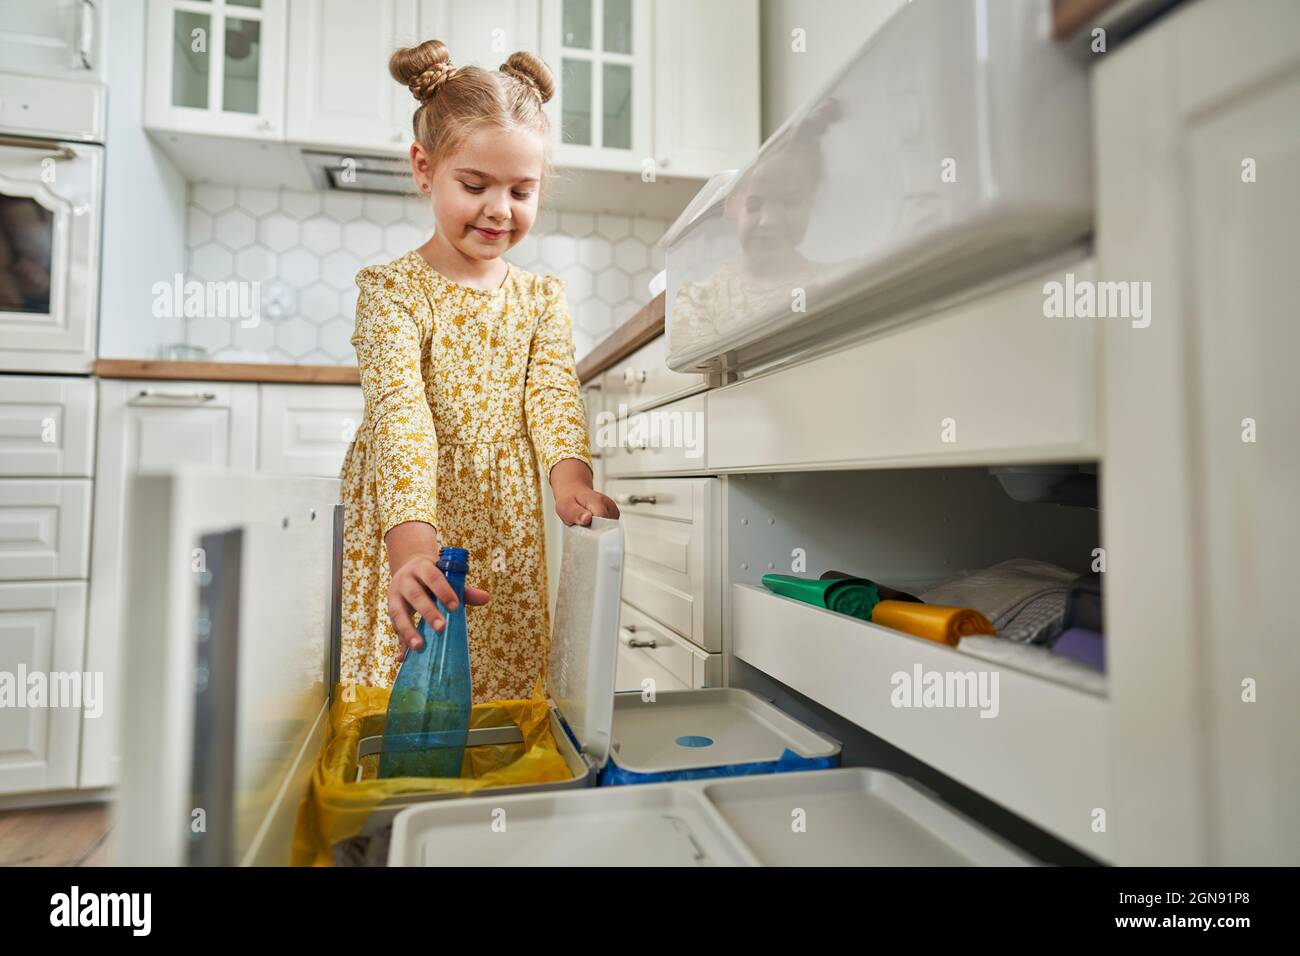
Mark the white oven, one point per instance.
(51, 206)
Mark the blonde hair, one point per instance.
(456, 100)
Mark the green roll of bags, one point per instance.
(856, 597)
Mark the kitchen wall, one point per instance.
(832, 31)
(304, 248)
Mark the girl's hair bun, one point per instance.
(421, 69)
(532, 72)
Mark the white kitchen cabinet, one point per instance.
(673, 554)
(706, 86)
(63, 39)
(342, 94)
(217, 67)
(601, 53)
(147, 425)
(48, 426)
(306, 429)
(480, 32)
(669, 439)
(648, 651)
(644, 380)
(952, 391)
(668, 87)
(1198, 136)
(42, 630)
(44, 528)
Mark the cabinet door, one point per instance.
(42, 630)
(342, 95)
(50, 198)
(60, 38)
(146, 426)
(601, 54)
(48, 424)
(706, 85)
(306, 429)
(1198, 148)
(217, 68)
(480, 32)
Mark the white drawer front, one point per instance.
(663, 440)
(643, 379)
(47, 426)
(44, 528)
(648, 651)
(991, 381)
(672, 554)
(306, 429)
(42, 630)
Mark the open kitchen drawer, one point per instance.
(233, 656)
(1041, 751)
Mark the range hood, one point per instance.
(355, 173)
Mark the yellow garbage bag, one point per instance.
(337, 805)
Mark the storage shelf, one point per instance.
(1042, 756)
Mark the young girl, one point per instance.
(467, 366)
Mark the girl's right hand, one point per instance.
(413, 588)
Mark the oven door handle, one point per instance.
(44, 145)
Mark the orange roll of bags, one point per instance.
(947, 625)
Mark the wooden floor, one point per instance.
(56, 836)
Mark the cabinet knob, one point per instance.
(633, 376)
(266, 124)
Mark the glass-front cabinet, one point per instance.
(600, 52)
(217, 66)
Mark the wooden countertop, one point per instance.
(228, 371)
(647, 324)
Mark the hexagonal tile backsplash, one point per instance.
(305, 250)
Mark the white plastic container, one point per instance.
(954, 146)
(846, 817)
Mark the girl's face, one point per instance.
(485, 194)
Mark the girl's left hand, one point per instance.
(576, 503)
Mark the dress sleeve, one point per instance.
(388, 339)
(553, 406)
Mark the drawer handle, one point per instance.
(633, 376)
(194, 396)
(636, 642)
(626, 499)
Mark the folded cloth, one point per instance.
(947, 625)
(1038, 622)
(1035, 660)
(1002, 591)
(884, 590)
(853, 596)
(1082, 645)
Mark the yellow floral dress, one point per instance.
(466, 392)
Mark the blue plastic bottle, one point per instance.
(428, 710)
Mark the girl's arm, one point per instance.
(557, 418)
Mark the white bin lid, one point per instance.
(584, 634)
